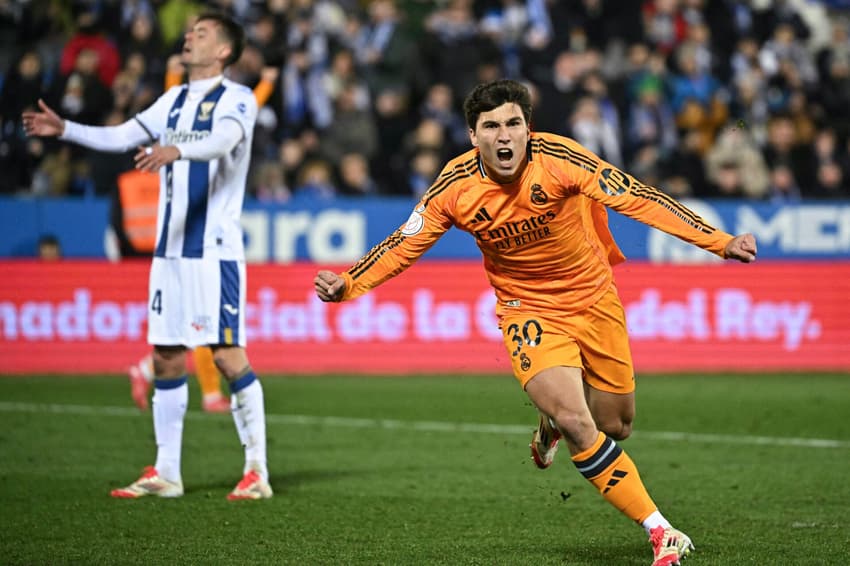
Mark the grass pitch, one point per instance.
(419, 470)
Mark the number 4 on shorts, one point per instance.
(156, 302)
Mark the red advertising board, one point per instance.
(80, 317)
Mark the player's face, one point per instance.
(202, 46)
(501, 136)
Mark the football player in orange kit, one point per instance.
(535, 203)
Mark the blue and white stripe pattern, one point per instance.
(201, 201)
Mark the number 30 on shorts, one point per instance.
(531, 334)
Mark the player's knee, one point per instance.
(231, 362)
(618, 429)
(169, 362)
(224, 366)
(577, 427)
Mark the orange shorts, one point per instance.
(594, 339)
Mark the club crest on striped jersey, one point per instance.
(205, 111)
(415, 222)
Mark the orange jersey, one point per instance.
(545, 237)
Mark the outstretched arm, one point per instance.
(742, 248)
(118, 138)
(330, 287)
(46, 123)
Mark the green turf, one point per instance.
(360, 489)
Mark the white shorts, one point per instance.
(196, 301)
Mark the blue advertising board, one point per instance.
(340, 231)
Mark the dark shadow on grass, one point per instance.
(621, 553)
(281, 482)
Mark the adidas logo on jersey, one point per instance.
(481, 216)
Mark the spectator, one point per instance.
(80, 95)
(783, 53)
(783, 149)
(49, 248)
(594, 85)
(831, 178)
(783, 188)
(748, 106)
(90, 37)
(505, 24)
(141, 36)
(393, 121)
(833, 96)
(124, 90)
(664, 24)
(342, 75)
(315, 181)
(452, 48)
(696, 97)
(382, 50)
(559, 93)
(267, 35)
(269, 183)
(744, 60)
(423, 167)
(735, 166)
(727, 58)
(305, 103)
(355, 178)
(19, 155)
(651, 122)
(593, 132)
(685, 170)
(438, 106)
(352, 129)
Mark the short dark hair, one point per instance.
(231, 31)
(487, 96)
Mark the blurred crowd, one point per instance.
(704, 98)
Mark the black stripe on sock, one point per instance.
(600, 460)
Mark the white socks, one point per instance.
(170, 399)
(655, 520)
(249, 414)
(169, 407)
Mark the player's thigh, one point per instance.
(609, 372)
(214, 301)
(535, 343)
(558, 391)
(603, 340)
(165, 303)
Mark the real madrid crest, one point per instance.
(537, 194)
(205, 111)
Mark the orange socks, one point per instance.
(614, 474)
(206, 371)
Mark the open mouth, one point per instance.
(504, 154)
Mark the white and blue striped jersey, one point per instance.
(201, 201)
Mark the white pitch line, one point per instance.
(426, 426)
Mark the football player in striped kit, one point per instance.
(198, 137)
